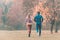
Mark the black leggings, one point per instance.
(29, 28)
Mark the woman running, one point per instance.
(29, 24)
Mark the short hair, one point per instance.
(38, 12)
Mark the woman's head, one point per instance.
(29, 15)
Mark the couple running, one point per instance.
(38, 19)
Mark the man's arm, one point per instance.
(42, 19)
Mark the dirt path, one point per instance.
(22, 35)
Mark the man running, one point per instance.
(38, 19)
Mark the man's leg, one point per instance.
(56, 29)
(37, 28)
(51, 28)
(40, 30)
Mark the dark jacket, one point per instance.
(38, 19)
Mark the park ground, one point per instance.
(22, 35)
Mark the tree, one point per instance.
(5, 9)
(53, 7)
(28, 5)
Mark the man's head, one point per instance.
(38, 12)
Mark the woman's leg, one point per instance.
(30, 26)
